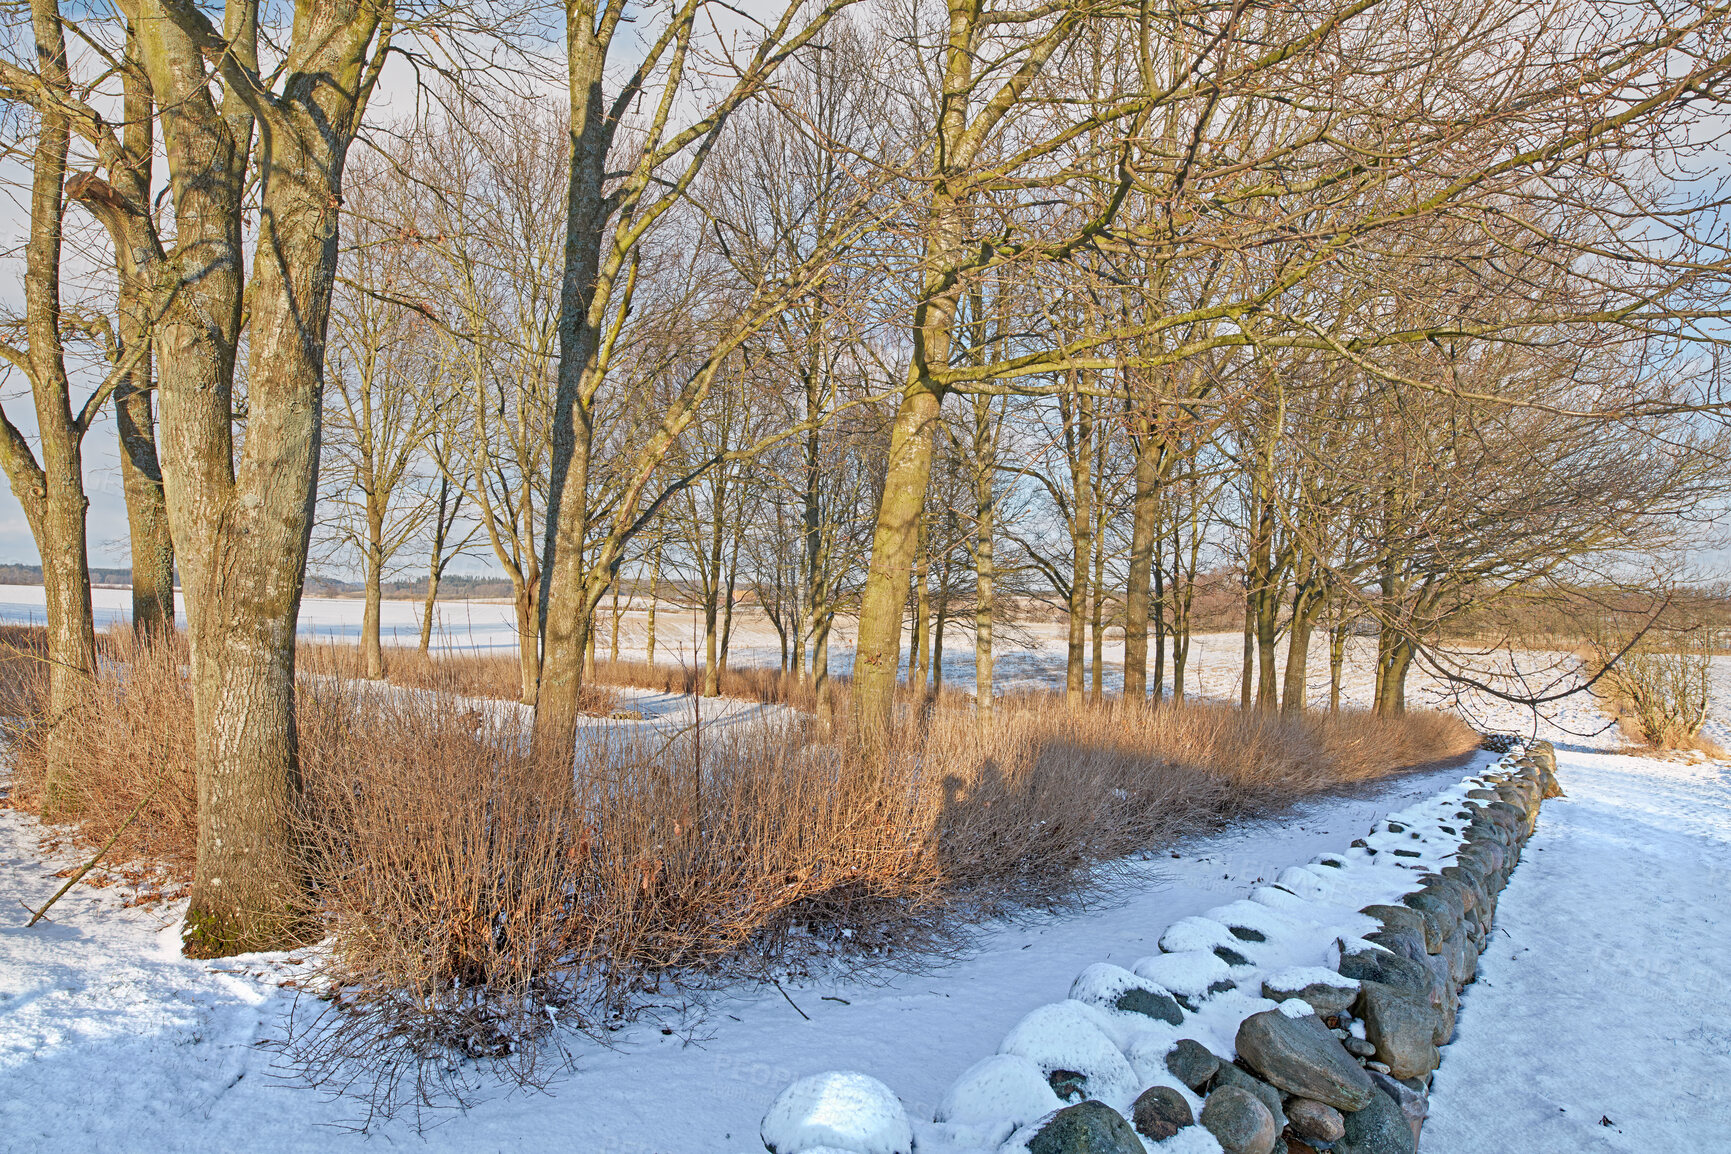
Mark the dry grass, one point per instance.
(475, 898)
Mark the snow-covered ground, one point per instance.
(1604, 997)
(1601, 1020)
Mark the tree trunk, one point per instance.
(52, 493)
(1158, 613)
(1267, 611)
(613, 649)
(1336, 659)
(908, 469)
(1306, 602)
(433, 576)
(1081, 410)
(820, 674)
(523, 599)
(122, 204)
(940, 620)
(1144, 529)
(727, 598)
(436, 565)
(568, 597)
(1394, 661)
(985, 572)
(1097, 626)
(141, 479)
(920, 667)
(374, 578)
(654, 581)
(243, 532)
(878, 647)
(1247, 676)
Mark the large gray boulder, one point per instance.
(1402, 1026)
(1403, 942)
(1300, 1056)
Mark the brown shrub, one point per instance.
(134, 749)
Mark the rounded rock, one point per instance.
(1314, 1121)
(1161, 1112)
(1239, 1122)
(1090, 1127)
(1192, 1063)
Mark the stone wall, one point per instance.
(1309, 1017)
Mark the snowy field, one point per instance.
(1602, 1020)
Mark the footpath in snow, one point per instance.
(1601, 1020)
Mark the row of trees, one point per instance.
(1395, 304)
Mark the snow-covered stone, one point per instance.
(1194, 973)
(1004, 1089)
(1117, 990)
(1067, 1036)
(839, 1110)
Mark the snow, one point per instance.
(1601, 1020)
(842, 1110)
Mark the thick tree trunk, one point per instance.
(249, 534)
(878, 648)
(1394, 661)
(1247, 674)
(568, 597)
